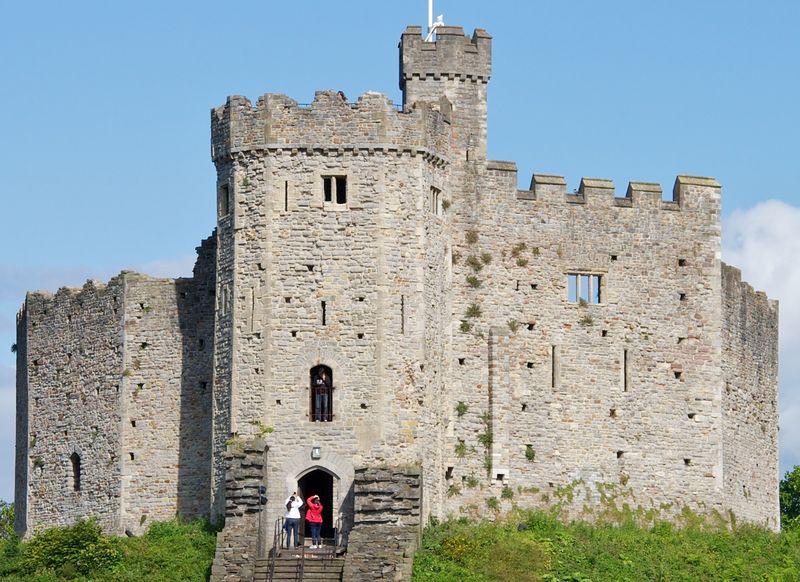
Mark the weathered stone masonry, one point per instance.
(381, 243)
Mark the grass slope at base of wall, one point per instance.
(534, 546)
(168, 552)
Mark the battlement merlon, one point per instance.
(454, 55)
(371, 123)
(690, 193)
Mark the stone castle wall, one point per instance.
(72, 357)
(344, 286)
(117, 376)
(750, 400)
(437, 294)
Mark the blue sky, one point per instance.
(104, 150)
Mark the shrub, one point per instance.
(507, 492)
(513, 325)
(453, 490)
(472, 482)
(486, 258)
(493, 504)
(473, 281)
(474, 263)
(471, 236)
(77, 549)
(461, 449)
(522, 262)
(461, 408)
(517, 249)
(473, 310)
(586, 320)
(530, 453)
(446, 204)
(465, 326)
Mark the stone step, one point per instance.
(287, 567)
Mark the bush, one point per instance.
(534, 545)
(77, 549)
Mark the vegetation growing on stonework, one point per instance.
(473, 310)
(586, 320)
(474, 263)
(461, 449)
(518, 249)
(446, 204)
(473, 281)
(461, 408)
(471, 237)
(530, 452)
(465, 326)
(486, 258)
(522, 262)
(453, 490)
(513, 325)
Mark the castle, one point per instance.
(480, 344)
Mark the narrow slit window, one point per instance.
(224, 200)
(554, 367)
(402, 314)
(75, 459)
(324, 307)
(286, 196)
(435, 202)
(624, 370)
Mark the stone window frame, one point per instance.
(333, 204)
(435, 201)
(591, 276)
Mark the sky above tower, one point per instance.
(105, 146)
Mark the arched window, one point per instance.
(76, 471)
(321, 403)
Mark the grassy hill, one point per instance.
(169, 552)
(533, 546)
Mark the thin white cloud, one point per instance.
(764, 242)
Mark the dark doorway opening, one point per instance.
(318, 482)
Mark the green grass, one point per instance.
(546, 549)
(169, 551)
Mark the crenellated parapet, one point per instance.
(688, 193)
(330, 122)
(453, 56)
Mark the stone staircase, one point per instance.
(317, 567)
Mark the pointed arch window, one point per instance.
(75, 459)
(321, 402)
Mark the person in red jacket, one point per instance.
(314, 518)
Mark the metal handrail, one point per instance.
(277, 542)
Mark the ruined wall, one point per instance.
(72, 358)
(167, 395)
(21, 463)
(750, 400)
(626, 391)
(388, 524)
(241, 542)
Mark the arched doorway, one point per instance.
(319, 482)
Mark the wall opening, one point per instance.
(286, 196)
(625, 377)
(224, 200)
(323, 307)
(334, 189)
(75, 459)
(318, 482)
(555, 367)
(402, 314)
(321, 394)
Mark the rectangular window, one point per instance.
(584, 288)
(224, 202)
(434, 202)
(341, 190)
(334, 189)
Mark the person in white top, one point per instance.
(292, 519)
